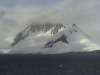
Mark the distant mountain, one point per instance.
(38, 28)
(60, 32)
(64, 35)
(60, 39)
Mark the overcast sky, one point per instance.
(17, 14)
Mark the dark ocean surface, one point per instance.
(50, 64)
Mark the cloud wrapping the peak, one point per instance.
(15, 15)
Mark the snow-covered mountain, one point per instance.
(64, 35)
(54, 38)
(38, 28)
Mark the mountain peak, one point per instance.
(38, 28)
(43, 28)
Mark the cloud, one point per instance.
(15, 15)
(90, 45)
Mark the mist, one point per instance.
(16, 15)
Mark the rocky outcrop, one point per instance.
(63, 38)
(43, 28)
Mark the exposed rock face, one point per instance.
(18, 38)
(63, 38)
(43, 28)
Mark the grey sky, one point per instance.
(17, 14)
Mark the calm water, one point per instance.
(57, 64)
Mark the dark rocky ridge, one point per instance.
(38, 27)
(63, 38)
